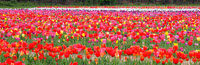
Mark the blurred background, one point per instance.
(95, 2)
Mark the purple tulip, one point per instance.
(187, 39)
(52, 36)
(186, 44)
(125, 35)
(4, 38)
(178, 39)
(33, 32)
(147, 36)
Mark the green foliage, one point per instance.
(35, 3)
(107, 2)
(13, 1)
(6, 3)
(26, 4)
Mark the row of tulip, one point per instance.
(114, 9)
(36, 53)
(141, 7)
(41, 36)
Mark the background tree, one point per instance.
(104, 2)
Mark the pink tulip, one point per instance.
(104, 41)
(124, 38)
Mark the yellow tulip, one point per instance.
(57, 33)
(175, 44)
(147, 30)
(166, 33)
(61, 32)
(116, 41)
(83, 34)
(198, 38)
(17, 36)
(23, 35)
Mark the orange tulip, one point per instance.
(35, 58)
(96, 59)
(23, 59)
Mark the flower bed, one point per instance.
(99, 37)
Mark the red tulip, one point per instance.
(145, 47)
(14, 57)
(41, 56)
(75, 51)
(66, 55)
(194, 60)
(6, 55)
(191, 54)
(181, 61)
(9, 61)
(187, 59)
(157, 60)
(142, 58)
(175, 60)
(19, 63)
(163, 62)
(190, 42)
(88, 56)
(75, 63)
(103, 45)
(184, 56)
(97, 54)
(56, 59)
(175, 48)
(80, 56)
(198, 55)
(91, 52)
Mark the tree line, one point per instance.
(107, 2)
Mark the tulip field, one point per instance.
(100, 37)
